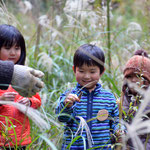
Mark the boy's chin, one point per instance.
(90, 89)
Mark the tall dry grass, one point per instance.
(52, 35)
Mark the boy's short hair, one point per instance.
(90, 55)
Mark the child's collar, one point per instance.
(80, 88)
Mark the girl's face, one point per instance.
(140, 81)
(10, 53)
(87, 76)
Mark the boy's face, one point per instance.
(87, 76)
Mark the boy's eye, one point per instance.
(92, 71)
(81, 71)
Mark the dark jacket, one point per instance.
(6, 72)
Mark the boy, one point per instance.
(96, 105)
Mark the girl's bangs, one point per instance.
(11, 41)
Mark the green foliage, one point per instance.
(60, 34)
(75, 139)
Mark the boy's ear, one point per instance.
(103, 72)
(73, 69)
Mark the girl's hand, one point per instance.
(71, 98)
(8, 96)
(25, 101)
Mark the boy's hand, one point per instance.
(8, 96)
(119, 134)
(25, 101)
(71, 98)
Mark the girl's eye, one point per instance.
(92, 71)
(129, 76)
(138, 76)
(145, 81)
(17, 48)
(81, 71)
(7, 48)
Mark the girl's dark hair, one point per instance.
(141, 52)
(10, 36)
(90, 55)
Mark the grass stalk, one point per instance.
(108, 36)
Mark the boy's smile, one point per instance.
(87, 76)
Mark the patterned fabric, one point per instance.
(88, 107)
(9, 115)
(6, 72)
(138, 65)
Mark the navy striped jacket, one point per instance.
(87, 108)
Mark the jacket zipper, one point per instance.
(89, 111)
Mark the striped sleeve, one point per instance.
(115, 115)
(64, 114)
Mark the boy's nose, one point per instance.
(87, 75)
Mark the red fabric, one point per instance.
(138, 65)
(18, 119)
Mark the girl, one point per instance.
(14, 125)
(137, 71)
